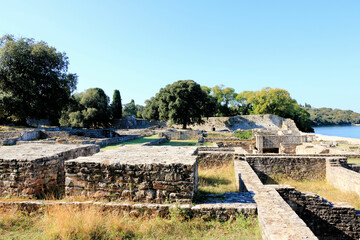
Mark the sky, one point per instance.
(310, 48)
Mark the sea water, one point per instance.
(350, 131)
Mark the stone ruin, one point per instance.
(148, 178)
(135, 173)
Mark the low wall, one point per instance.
(10, 138)
(277, 220)
(32, 170)
(327, 220)
(219, 211)
(181, 135)
(342, 178)
(211, 159)
(247, 144)
(135, 173)
(292, 166)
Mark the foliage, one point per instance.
(244, 134)
(130, 109)
(328, 116)
(88, 109)
(278, 102)
(224, 98)
(34, 80)
(116, 106)
(183, 102)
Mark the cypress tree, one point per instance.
(116, 106)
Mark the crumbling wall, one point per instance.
(33, 176)
(209, 159)
(246, 144)
(342, 178)
(327, 220)
(151, 174)
(291, 166)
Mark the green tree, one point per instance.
(183, 102)
(130, 109)
(225, 99)
(116, 107)
(278, 102)
(89, 109)
(34, 80)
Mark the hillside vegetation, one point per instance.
(329, 116)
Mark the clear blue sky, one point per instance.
(310, 48)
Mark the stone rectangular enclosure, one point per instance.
(154, 174)
(33, 169)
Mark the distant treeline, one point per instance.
(329, 116)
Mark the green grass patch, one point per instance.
(247, 134)
(181, 143)
(132, 142)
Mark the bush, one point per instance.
(244, 134)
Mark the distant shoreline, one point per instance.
(338, 125)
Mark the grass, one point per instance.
(325, 190)
(247, 134)
(61, 222)
(217, 180)
(354, 160)
(132, 142)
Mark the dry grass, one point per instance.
(62, 222)
(218, 179)
(354, 160)
(325, 190)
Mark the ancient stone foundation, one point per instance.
(135, 173)
(292, 166)
(327, 220)
(30, 170)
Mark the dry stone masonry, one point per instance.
(32, 169)
(151, 174)
(327, 220)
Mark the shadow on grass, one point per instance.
(212, 181)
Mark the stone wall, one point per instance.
(11, 137)
(247, 144)
(342, 178)
(274, 141)
(181, 134)
(211, 159)
(292, 166)
(277, 220)
(135, 173)
(34, 169)
(327, 220)
(218, 211)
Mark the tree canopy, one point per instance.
(88, 109)
(278, 102)
(183, 102)
(34, 80)
(329, 116)
(116, 106)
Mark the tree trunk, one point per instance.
(184, 126)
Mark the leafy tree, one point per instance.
(130, 109)
(34, 80)
(225, 99)
(329, 116)
(278, 102)
(116, 107)
(183, 102)
(89, 109)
